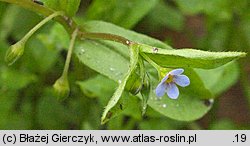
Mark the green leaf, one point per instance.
(145, 87)
(61, 40)
(113, 50)
(3, 7)
(98, 86)
(14, 117)
(164, 15)
(160, 124)
(219, 9)
(15, 109)
(104, 27)
(220, 79)
(125, 13)
(89, 52)
(58, 117)
(17, 22)
(134, 56)
(134, 82)
(14, 79)
(70, 7)
(100, 56)
(33, 60)
(103, 88)
(189, 57)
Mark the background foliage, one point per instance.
(26, 95)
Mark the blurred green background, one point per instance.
(26, 95)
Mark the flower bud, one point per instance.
(61, 87)
(145, 91)
(14, 52)
(134, 84)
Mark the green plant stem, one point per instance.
(105, 36)
(40, 24)
(70, 50)
(157, 67)
(67, 22)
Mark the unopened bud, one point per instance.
(61, 87)
(134, 84)
(14, 52)
(145, 91)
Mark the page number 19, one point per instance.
(240, 138)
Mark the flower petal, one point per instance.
(172, 90)
(160, 89)
(177, 71)
(181, 80)
(165, 78)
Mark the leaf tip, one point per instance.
(243, 54)
(105, 117)
(238, 54)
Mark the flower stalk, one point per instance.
(61, 86)
(16, 50)
(151, 62)
(40, 24)
(71, 46)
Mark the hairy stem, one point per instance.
(67, 22)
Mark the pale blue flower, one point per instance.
(168, 83)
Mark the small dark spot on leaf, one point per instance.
(207, 102)
(121, 107)
(109, 115)
(38, 2)
(155, 50)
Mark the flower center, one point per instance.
(170, 78)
